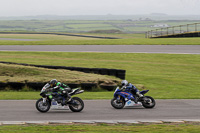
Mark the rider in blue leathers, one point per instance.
(131, 88)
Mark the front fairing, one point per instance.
(124, 94)
(45, 87)
(44, 93)
(117, 90)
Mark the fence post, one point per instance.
(196, 27)
(159, 32)
(156, 32)
(167, 31)
(147, 34)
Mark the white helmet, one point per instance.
(124, 82)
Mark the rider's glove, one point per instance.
(50, 90)
(123, 87)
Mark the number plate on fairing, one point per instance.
(132, 104)
(56, 106)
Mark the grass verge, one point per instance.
(127, 39)
(168, 76)
(99, 128)
(34, 95)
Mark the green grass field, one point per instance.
(80, 26)
(99, 128)
(34, 95)
(168, 76)
(125, 39)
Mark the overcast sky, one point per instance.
(98, 7)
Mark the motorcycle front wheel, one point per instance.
(77, 104)
(148, 102)
(118, 104)
(41, 106)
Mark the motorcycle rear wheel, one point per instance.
(42, 107)
(149, 102)
(117, 104)
(77, 106)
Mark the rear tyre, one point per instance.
(118, 104)
(148, 102)
(77, 104)
(42, 107)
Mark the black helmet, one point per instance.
(53, 82)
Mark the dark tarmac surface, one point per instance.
(24, 110)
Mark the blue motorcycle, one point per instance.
(122, 97)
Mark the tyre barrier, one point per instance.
(15, 85)
(119, 73)
(2, 85)
(73, 85)
(108, 87)
(64, 34)
(37, 86)
(113, 72)
(104, 71)
(88, 86)
(96, 70)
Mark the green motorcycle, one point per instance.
(56, 99)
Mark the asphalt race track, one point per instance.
(174, 49)
(101, 110)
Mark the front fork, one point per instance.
(119, 99)
(44, 100)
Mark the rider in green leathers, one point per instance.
(64, 89)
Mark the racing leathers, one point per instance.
(132, 89)
(64, 89)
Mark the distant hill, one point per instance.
(160, 14)
(153, 16)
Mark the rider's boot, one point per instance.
(139, 94)
(63, 102)
(67, 98)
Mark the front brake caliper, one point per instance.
(44, 100)
(119, 99)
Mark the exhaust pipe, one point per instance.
(81, 91)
